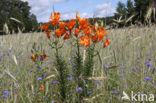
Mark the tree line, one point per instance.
(17, 16)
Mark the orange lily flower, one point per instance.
(62, 25)
(33, 57)
(55, 19)
(84, 24)
(48, 34)
(106, 43)
(58, 32)
(78, 16)
(88, 31)
(66, 36)
(94, 39)
(85, 40)
(71, 24)
(45, 27)
(42, 87)
(44, 56)
(77, 32)
(63, 31)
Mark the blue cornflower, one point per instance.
(41, 58)
(38, 66)
(150, 59)
(148, 64)
(133, 68)
(148, 78)
(121, 75)
(122, 67)
(79, 89)
(70, 79)
(10, 50)
(73, 74)
(116, 92)
(147, 54)
(89, 92)
(4, 96)
(154, 84)
(54, 82)
(39, 78)
(44, 74)
(106, 66)
(5, 92)
(138, 57)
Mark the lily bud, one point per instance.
(96, 26)
(101, 23)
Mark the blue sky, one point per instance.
(68, 8)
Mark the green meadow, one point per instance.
(127, 64)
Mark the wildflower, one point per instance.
(88, 31)
(148, 64)
(122, 67)
(73, 74)
(4, 96)
(58, 32)
(55, 19)
(44, 74)
(62, 25)
(5, 92)
(148, 78)
(154, 84)
(106, 66)
(138, 57)
(77, 32)
(121, 75)
(10, 50)
(54, 82)
(106, 43)
(70, 25)
(70, 79)
(85, 41)
(77, 16)
(38, 66)
(16, 85)
(39, 78)
(48, 33)
(44, 56)
(66, 36)
(33, 57)
(133, 68)
(45, 27)
(42, 87)
(147, 54)
(116, 92)
(79, 89)
(89, 92)
(150, 59)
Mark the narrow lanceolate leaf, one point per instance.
(51, 76)
(15, 60)
(95, 78)
(14, 19)
(10, 75)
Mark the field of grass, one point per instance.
(128, 64)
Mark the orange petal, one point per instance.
(106, 43)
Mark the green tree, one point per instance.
(121, 10)
(19, 10)
(130, 8)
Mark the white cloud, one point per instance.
(41, 8)
(104, 10)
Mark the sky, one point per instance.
(68, 8)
